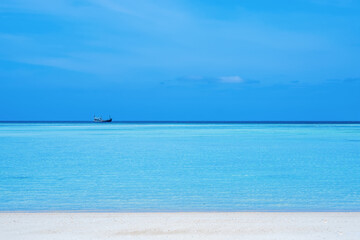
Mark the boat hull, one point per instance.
(102, 121)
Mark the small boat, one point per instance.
(100, 120)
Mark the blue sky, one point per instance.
(180, 60)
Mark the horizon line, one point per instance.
(182, 121)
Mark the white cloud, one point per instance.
(231, 79)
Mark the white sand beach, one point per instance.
(242, 225)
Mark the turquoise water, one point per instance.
(179, 167)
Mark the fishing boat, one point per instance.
(100, 120)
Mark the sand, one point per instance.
(318, 225)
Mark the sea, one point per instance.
(179, 166)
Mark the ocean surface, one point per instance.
(179, 167)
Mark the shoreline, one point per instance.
(180, 225)
(169, 211)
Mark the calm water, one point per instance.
(179, 167)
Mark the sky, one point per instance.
(180, 60)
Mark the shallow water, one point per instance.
(179, 167)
